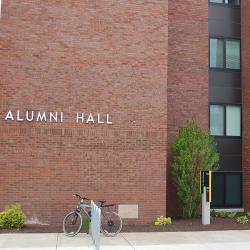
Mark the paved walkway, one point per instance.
(221, 240)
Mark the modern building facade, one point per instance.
(93, 94)
(225, 99)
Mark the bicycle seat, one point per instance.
(102, 202)
(109, 205)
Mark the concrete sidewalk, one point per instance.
(221, 240)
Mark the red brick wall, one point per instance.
(109, 57)
(187, 72)
(90, 56)
(245, 10)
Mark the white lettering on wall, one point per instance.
(90, 119)
(18, 117)
(108, 120)
(61, 116)
(9, 116)
(33, 116)
(29, 119)
(79, 116)
(52, 116)
(41, 116)
(99, 119)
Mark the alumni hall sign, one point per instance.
(38, 116)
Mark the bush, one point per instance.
(242, 219)
(193, 151)
(163, 221)
(223, 214)
(213, 213)
(248, 215)
(231, 215)
(12, 217)
(85, 223)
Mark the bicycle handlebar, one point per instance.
(101, 202)
(79, 197)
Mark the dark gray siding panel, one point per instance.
(224, 21)
(225, 79)
(225, 87)
(229, 145)
(218, 29)
(230, 153)
(230, 162)
(224, 95)
(224, 13)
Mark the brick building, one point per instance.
(92, 94)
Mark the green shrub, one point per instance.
(231, 215)
(12, 217)
(163, 221)
(85, 223)
(242, 219)
(223, 214)
(194, 150)
(213, 213)
(248, 215)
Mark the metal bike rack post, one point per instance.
(206, 190)
(95, 225)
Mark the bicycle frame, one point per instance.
(83, 207)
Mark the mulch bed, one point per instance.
(182, 225)
(179, 225)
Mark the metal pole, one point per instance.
(205, 208)
(95, 224)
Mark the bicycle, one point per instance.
(111, 223)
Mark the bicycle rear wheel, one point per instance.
(72, 223)
(111, 224)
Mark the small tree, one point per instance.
(194, 150)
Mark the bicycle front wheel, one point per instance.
(111, 224)
(72, 223)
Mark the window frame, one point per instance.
(224, 105)
(224, 39)
(225, 4)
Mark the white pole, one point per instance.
(95, 224)
(205, 208)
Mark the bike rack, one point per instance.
(95, 225)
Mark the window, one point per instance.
(233, 121)
(232, 54)
(225, 120)
(216, 53)
(226, 2)
(225, 53)
(217, 120)
(216, 1)
(226, 189)
(233, 189)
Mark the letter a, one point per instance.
(9, 116)
(90, 119)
